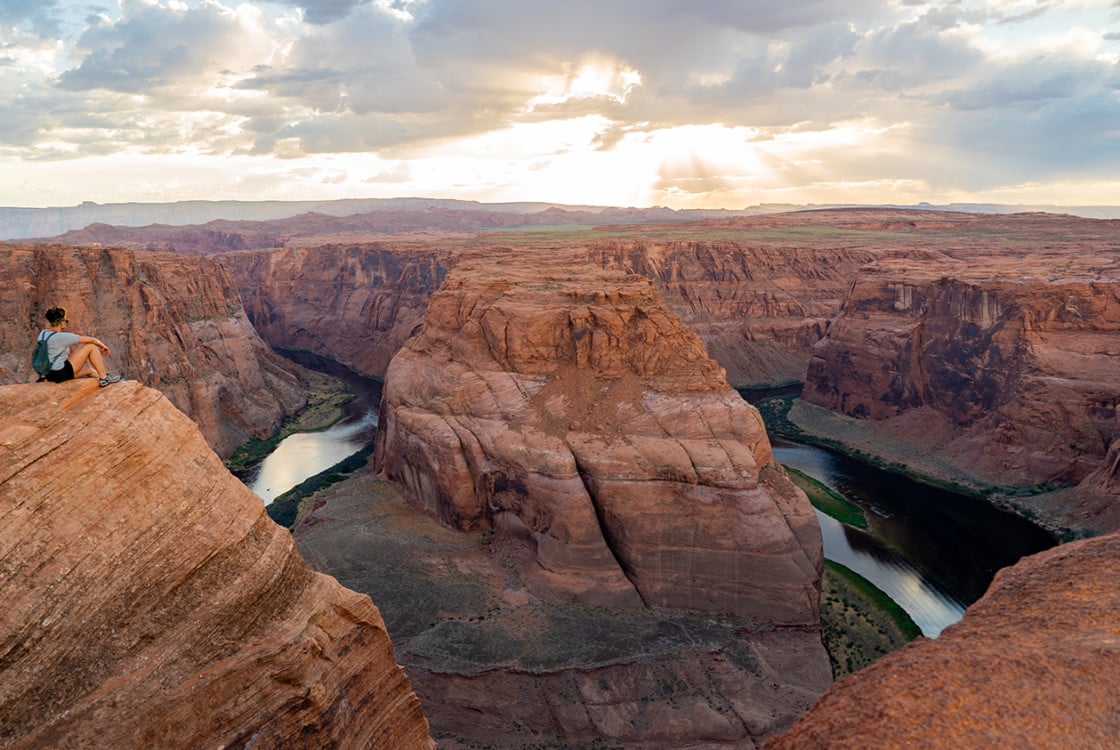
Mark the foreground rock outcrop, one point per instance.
(565, 406)
(1035, 663)
(150, 602)
(172, 322)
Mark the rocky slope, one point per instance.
(564, 405)
(496, 666)
(1006, 365)
(172, 322)
(149, 601)
(1034, 663)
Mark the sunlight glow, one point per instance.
(594, 76)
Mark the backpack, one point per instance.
(40, 360)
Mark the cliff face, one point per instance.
(1034, 663)
(566, 406)
(172, 322)
(759, 308)
(150, 602)
(357, 304)
(1019, 366)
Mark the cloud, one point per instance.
(152, 47)
(324, 11)
(867, 92)
(40, 16)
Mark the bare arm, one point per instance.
(95, 341)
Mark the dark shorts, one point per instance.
(62, 374)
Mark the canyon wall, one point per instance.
(150, 602)
(759, 308)
(172, 322)
(1006, 369)
(1034, 663)
(566, 406)
(357, 304)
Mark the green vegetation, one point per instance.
(325, 397)
(827, 500)
(284, 509)
(775, 415)
(860, 623)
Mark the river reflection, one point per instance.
(305, 454)
(934, 552)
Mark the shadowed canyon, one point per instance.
(573, 525)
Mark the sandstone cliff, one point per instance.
(150, 602)
(1035, 663)
(759, 308)
(1007, 371)
(173, 322)
(355, 303)
(566, 406)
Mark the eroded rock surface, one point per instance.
(566, 406)
(357, 304)
(1034, 663)
(496, 666)
(1009, 365)
(172, 322)
(150, 602)
(759, 308)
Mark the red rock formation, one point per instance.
(1020, 366)
(1035, 663)
(150, 602)
(357, 304)
(759, 308)
(495, 666)
(565, 405)
(172, 322)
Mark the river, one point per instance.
(305, 454)
(934, 552)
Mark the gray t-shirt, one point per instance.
(58, 348)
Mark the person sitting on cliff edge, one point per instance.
(73, 356)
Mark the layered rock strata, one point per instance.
(172, 322)
(1006, 370)
(566, 406)
(759, 308)
(1034, 663)
(150, 602)
(357, 304)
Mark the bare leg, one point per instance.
(85, 358)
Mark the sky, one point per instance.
(691, 104)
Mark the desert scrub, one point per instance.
(859, 622)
